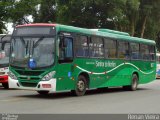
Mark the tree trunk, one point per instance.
(143, 26)
(132, 28)
(116, 26)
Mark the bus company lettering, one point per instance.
(105, 64)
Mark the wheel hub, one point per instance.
(80, 85)
(134, 82)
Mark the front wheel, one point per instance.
(134, 83)
(43, 92)
(80, 86)
(5, 85)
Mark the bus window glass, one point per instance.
(0, 46)
(144, 50)
(158, 58)
(81, 46)
(158, 65)
(19, 45)
(123, 50)
(152, 53)
(68, 48)
(38, 49)
(135, 52)
(4, 53)
(110, 48)
(96, 47)
(43, 53)
(7, 49)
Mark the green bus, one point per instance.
(53, 58)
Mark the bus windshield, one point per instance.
(4, 53)
(38, 49)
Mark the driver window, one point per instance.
(66, 50)
(68, 47)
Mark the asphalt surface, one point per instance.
(113, 100)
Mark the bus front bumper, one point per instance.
(41, 86)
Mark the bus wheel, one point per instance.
(43, 92)
(80, 86)
(134, 83)
(5, 85)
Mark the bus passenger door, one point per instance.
(65, 59)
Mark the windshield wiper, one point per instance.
(38, 41)
(35, 44)
(26, 45)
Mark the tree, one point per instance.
(45, 12)
(91, 13)
(4, 13)
(146, 10)
(80, 13)
(132, 13)
(21, 9)
(158, 41)
(140, 18)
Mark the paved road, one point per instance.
(114, 100)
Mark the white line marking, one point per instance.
(114, 69)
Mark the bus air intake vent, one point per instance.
(29, 73)
(26, 84)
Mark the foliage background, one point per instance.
(140, 18)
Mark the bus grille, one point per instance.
(26, 84)
(29, 78)
(29, 73)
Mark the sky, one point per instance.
(10, 28)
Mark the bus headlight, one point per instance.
(10, 74)
(48, 76)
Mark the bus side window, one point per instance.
(81, 46)
(110, 48)
(144, 50)
(135, 51)
(123, 50)
(96, 47)
(66, 50)
(152, 53)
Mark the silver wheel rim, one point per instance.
(81, 85)
(134, 83)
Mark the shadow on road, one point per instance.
(2, 88)
(88, 93)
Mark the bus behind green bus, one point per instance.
(4, 59)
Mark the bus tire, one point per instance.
(43, 92)
(81, 86)
(5, 85)
(134, 83)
